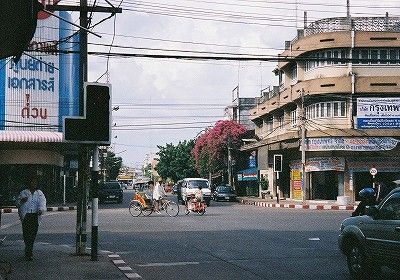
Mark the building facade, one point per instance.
(339, 100)
(35, 94)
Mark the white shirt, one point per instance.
(36, 202)
(158, 191)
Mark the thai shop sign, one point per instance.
(378, 113)
(382, 164)
(320, 164)
(351, 144)
(42, 87)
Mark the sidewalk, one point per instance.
(56, 262)
(288, 203)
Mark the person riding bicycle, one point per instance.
(198, 197)
(158, 194)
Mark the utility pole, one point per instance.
(83, 150)
(303, 147)
(81, 216)
(95, 204)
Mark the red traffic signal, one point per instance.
(94, 126)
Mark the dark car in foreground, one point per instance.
(373, 240)
(110, 191)
(224, 193)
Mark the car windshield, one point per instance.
(110, 186)
(194, 184)
(224, 189)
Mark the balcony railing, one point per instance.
(391, 24)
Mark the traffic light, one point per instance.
(277, 163)
(18, 20)
(94, 126)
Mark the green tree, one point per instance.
(113, 165)
(176, 162)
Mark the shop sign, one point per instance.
(296, 190)
(378, 113)
(351, 144)
(42, 86)
(379, 163)
(320, 164)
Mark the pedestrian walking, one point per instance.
(31, 205)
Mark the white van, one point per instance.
(190, 185)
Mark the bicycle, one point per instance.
(139, 207)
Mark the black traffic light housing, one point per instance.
(94, 126)
(277, 163)
(18, 20)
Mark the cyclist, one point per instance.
(158, 194)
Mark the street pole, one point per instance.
(229, 166)
(95, 205)
(277, 187)
(303, 147)
(82, 154)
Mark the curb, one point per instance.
(122, 266)
(49, 209)
(298, 206)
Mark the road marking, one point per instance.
(314, 239)
(168, 264)
(121, 265)
(132, 275)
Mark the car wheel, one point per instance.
(359, 267)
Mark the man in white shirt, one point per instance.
(31, 205)
(158, 194)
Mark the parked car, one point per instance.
(190, 185)
(110, 191)
(224, 193)
(373, 240)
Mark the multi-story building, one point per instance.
(339, 84)
(35, 94)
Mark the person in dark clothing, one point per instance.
(368, 198)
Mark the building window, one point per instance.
(364, 57)
(328, 57)
(326, 110)
(393, 56)
(280, 121)
(293, 73)
(383, 56)
(356, 56)
(269, 124)
(374, 56)
(293, 118)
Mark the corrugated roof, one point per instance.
(31, 136)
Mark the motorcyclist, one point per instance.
(368, 198)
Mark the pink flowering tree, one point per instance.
(211, 148)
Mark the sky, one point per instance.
(165, 100)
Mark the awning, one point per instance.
(31, 136)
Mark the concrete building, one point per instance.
(35, 94)
(339, 83)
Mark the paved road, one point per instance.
(231, 241)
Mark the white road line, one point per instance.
(132, 275)
(314, 239)
(118, 261)
(168, 264)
